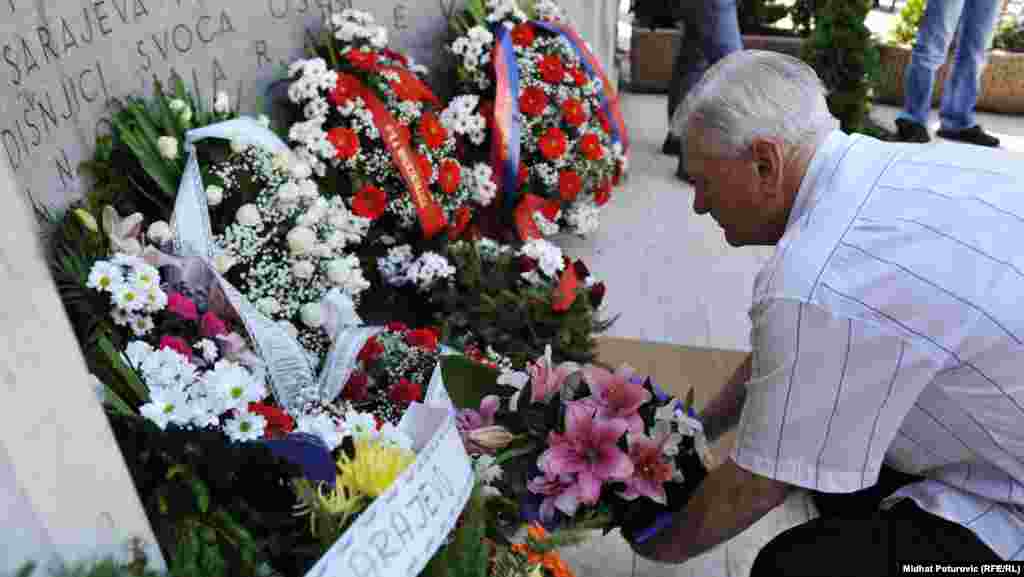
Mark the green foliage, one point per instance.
(468, 554)
(1009, 35)
(102, 568)
(905, 31)
(844, 55)
(801, 14)
(467, 381)
(756, 15)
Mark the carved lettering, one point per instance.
(182, 37)
(70, 98)
(10, 60)
(47, 113)
(218, 75)
(30, 107)
(64, 169)
(402, 527)
(280, 12)
(33, 64)
(379, 540)
(401, 17)
(68, 36)
(362, 563)
(261, 53)
(46, 42)
(11, 146)
(204, 38)
(100, 11)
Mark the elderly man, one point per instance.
(886, 328)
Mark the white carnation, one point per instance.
(248, 215)
(214, 195)
(168, 147)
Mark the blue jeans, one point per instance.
(712, 31)
(977, 19)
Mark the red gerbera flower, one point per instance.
(574, 112)
(362, 60)
(346, 88)
(591, 147)
(524, 174)
(578, 76)
(462, 218)
(345, 141)
(532, 101)
(425, 167)
(432, 132)
(606, 125)
(569, 185)
(553, 144)
(358, 387)
(405, 391)
(396, 327)
(522, 35)
(279, 423)
(551, 69)
(603, 193)
(422, 338)
(371, 351)
(451, 175)
(370, 202)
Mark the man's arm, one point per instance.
(722, 413)
(728, 501)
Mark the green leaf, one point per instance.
(202, 494)
(127, 374)
(467, 381)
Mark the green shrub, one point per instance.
(1010, 35)
(910, 18)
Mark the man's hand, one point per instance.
(730, 500)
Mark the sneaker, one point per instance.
(910, 131)
(671, 145)
(972, 135)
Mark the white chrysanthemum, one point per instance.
(346, 274)
(142, 325)
(393, 266)
(428, 269)
(584, 217)
(129, 298)
(208, 350)
(233, 386)
(167, 406)
(159, 232)
(548, 256)
(244, 426)
(105, 276)
(483, 187)
(321, 425)
(201, 412)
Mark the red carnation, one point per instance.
(591, 147)
(522, 35)
(432, 132)
(211, 325)
(450, 177)
(551, 69)
(182, 307)
(532, 101)
(405, 392)
(396, 327)
(463, 216)
(362, 60)
(371, 351)
(550, 209)
(553, 144)
(176, 344)
(370, 202)
(569, 185)
(279, 423)
(603, 193)
(345, 141)
(425, 167)
(422, 338)
(358, 387)
(346, 88)
(574, 112)
(578, 76)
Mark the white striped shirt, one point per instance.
(888, 326)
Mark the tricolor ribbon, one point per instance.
(506, 142)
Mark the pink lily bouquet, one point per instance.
(587, 446)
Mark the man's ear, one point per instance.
(768, 160)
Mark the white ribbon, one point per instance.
(403, 528)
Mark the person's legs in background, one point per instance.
(934, 35)
(960, 94)
(690, 57)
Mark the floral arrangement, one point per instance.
(393, 370)
(583, 444)
(571, 151)
(372, 128)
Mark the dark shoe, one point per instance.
(910, 131)
(671, 145)
(972, 135)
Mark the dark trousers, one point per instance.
(854, 538)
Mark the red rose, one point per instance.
(346, 88)
(279, 423)
(463, 216)
(597, 294)
(522, 35)
(432, 132)
(404, 392)
(425, 167)
(358, 387)
(396, 327)
(591, 147)
(345, 141)
(581, 269)
(532, 101)
(182, 307)
(526, 264)
(569, 185)
(578, 76)
(422, 338)
(553, 144)
(370, 202)
(362, 60)
(550, 209)
(371, 351)
(603, 193)
(176, 344)
(551, 69)
(573, 112)
(450, 177)
(211, 325)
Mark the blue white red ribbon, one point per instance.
(506, 142)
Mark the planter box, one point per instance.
(785, 44)
(1002, 82)
(651, 55)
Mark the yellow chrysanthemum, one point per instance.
(374, 467)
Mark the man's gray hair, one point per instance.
(756, 94)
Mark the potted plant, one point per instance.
(655, 42)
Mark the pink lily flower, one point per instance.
(650, 470)
(545, 378)
(615, 396)
(588, 448)
(469, 420)
(560, 492)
